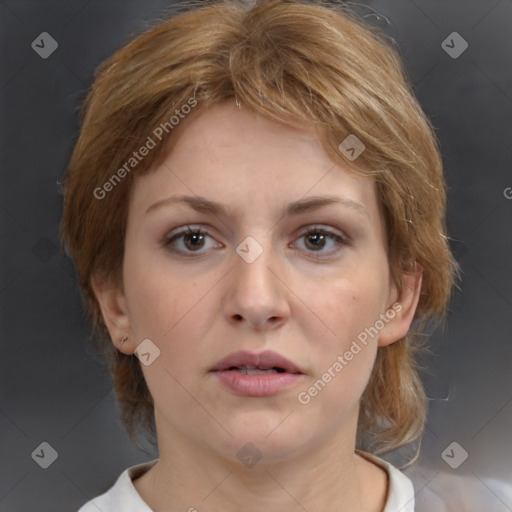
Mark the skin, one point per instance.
(198, 309)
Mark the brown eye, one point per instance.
(317, 239)
(192, 240)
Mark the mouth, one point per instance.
(252, 370)
(257, 375)
(256, 364)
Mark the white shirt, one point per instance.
(123, 497)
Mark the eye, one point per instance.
(317, 238)
(193, 240)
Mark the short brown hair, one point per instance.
(306, 64)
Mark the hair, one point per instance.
(303, 64)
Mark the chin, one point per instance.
(262, 435)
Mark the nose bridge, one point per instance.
(256, 291)
(256, 259)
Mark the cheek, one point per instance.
(169, 308)
(343, 362)
(347, 344)
(347, 306)
(157, 299)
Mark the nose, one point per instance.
(256, 295)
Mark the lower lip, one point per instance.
(263, 384)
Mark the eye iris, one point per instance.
(195, 236)
(318, 237)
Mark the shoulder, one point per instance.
(400, 494)
(445, 491)
(122, 495)
(101, 502)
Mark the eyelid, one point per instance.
(184, 230)
(327, 230)
(191, 228)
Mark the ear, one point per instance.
(403, 304)
(115, 312)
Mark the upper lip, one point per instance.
(263, 360)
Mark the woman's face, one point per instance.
(303, 285)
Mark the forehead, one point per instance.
(223, 123)
(239, 157)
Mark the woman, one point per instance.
(256, 210)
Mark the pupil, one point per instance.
(318, 238)
(196, 236)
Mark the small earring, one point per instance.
(123, 339)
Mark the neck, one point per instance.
(329, 476)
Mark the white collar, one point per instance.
(123, 495)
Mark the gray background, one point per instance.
(54, 389)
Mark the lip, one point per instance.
(257, 384)
(266, 359)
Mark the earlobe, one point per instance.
(401, 312)
(114, 310)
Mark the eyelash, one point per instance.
(342, 240)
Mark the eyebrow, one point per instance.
(204, 205)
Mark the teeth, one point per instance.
(255, 371)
